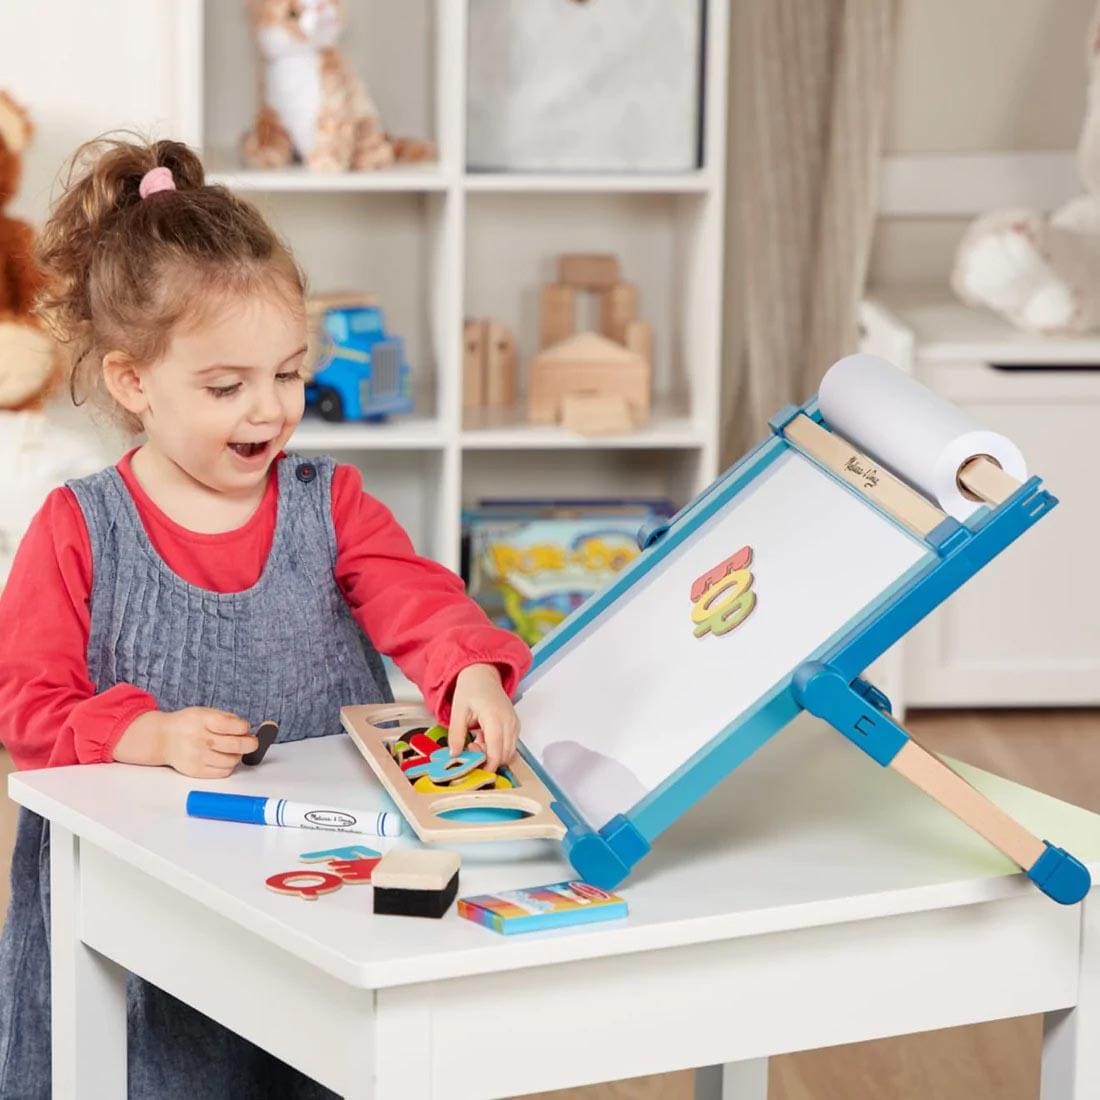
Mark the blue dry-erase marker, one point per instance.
(255, 810)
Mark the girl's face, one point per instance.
(226, 395)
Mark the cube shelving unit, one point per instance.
(438, 243)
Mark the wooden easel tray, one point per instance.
(424, 811)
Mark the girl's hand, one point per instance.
(480, 700)
(197, 741)
(205, 743)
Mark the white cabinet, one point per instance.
(437, 243)
(1026, 629)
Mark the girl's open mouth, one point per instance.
(249, 450)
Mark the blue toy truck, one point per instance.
(360, 372)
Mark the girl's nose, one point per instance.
(267, 406)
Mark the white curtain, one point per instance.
(808, 93)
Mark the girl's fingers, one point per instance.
(212, 758)
(232, 746)
(456, 730)
(221, 721)
(494, 743)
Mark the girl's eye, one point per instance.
(289, 376)
(224, 391)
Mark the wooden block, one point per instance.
(618, 307)
(587, 364)
(596, 414)
(415, 882)
(473, 365)
(639, 339)
(588, 270)
(557, 306)
(500, 366)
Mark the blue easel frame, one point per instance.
(827, 685)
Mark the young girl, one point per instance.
(159, 610)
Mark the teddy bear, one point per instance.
(42, 442)
(1042, 273)
(313, 107)
(28, 357)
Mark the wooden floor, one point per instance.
(1054, 751)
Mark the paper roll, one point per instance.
(910, 430)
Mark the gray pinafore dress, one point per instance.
(287, 648)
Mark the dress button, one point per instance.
(305, 472)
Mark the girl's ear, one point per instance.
(124, 379)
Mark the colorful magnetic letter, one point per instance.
(352, 851)
(354, 870)
(442, 767)
(306, 884)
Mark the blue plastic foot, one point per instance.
(1060, 876)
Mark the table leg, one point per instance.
(745, 1080)
(733, 1081)
(1071, 1055)
(87, 990)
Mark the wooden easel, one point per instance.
(828, 690)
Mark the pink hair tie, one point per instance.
(156, 179)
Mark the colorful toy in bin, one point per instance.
(356, 370)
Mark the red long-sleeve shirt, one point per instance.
(412, 608)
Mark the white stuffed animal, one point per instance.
(39, 450)
(313, 108)
(1040, 272)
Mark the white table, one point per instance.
(813, 899)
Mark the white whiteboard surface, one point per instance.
(614, 716)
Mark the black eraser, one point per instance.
(397, 902)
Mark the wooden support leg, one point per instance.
(1055, 872)
(950, 790)
(859, 712)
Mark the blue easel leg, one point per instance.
(1060, 876)
(859, 712)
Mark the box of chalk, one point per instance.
(415, 882)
